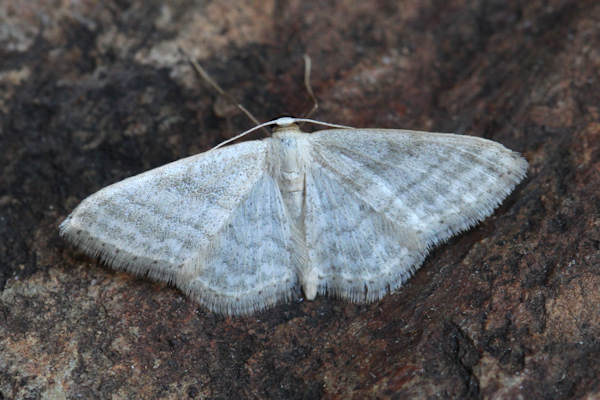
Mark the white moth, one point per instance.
(349, 213)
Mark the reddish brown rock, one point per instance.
(93, 92)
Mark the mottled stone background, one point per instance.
(92, 92)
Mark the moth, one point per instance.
(343, 212)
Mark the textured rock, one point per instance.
(95, 92)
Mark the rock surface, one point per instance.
(93, 92)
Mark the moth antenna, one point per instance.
(283, 121)
(259, 126)
(280, 121)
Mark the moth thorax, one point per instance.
(289, 143)
(286, 130)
